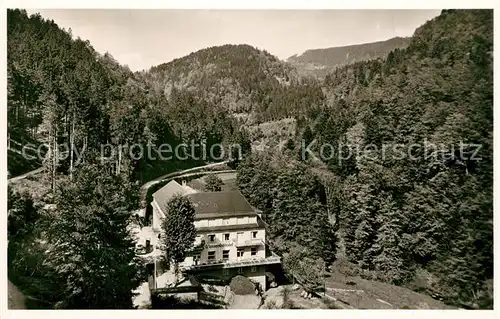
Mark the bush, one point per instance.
(213, 183)
(330, 304)
(307, 271)
(287, 302)
(241, 285)
(346, 268)
(271, 305)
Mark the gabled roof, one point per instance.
(220, 204)
(164, 194)
(168, 191)
(206, 205)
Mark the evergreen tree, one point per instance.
(213, 183)
(178, 230)
(22, 214)
(89, 241)
(390, 257)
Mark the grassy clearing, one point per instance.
(229, 180)
(355, 292)
(271, 134)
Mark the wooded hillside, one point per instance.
(426, 220)
(238, 79)
(423, 219)
(62, 92)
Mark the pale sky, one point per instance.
(144, 38)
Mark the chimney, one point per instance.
(184, 184)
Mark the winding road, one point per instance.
(144, 188)
(23, 176)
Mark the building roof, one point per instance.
(164, 194)
(220, 204)
(168, 191)
(206, 204)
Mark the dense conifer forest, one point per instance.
(424, 222)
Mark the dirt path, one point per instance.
(16, 298)
(23, 176)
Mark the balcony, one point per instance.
(217, 243)
(196, 249)
(235, 242)
(225, 263)
(248, 243)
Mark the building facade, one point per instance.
(231, 236)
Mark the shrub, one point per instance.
(271, 305)
(346, 268)
(287, 302)
(213, 183)
(330, 304)
(241, 285)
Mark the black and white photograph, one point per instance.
(249, 159)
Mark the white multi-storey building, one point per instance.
(231, 237)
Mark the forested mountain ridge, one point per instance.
(87, 110)
(423, 222)
(320, 62)
(240, 79)
(61, 91)
(421, 219)
(55, 81)
(406, 213)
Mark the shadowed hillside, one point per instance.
(408, 174)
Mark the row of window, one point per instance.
(227, 221)
(211, 237)
(225, 253)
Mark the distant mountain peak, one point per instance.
(326, 59)
(237, 77)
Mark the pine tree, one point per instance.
(89, 241)
(178, 230)
(390, 255)
(213, 183)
